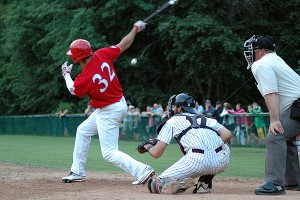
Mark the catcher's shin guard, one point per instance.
(169, 185)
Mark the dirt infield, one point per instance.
(23, 182)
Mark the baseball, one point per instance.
(172, 2)
(133, 61)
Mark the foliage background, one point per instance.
(196, 47)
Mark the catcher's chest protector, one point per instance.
(195, 125)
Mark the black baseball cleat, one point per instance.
(293, 187)
(204, 184)
(269, 188)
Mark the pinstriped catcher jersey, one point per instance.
(199, 138)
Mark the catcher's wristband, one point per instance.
(149, 147)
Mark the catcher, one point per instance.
(202, 141)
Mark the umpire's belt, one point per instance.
(217, 150)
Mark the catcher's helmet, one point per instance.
(185, 101)
(257, 42)
(79, 49)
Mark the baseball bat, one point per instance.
(159, 10)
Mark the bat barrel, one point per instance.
(166, 5)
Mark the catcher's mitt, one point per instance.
(141, 149)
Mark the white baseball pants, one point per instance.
(197, 164)
(106, 122)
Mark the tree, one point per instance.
(195, 46)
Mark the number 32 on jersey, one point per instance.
(102, 81)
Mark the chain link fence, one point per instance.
(134, 127)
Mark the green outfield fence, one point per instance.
(138, 127)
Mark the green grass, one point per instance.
(56, 153)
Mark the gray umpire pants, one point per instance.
(282, 162)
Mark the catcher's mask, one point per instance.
(257, 42)
(170, 103)
(184, 100)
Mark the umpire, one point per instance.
(280, 87)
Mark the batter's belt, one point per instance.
(217, 150)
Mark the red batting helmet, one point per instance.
(79, 49)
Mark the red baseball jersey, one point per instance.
(99, 80)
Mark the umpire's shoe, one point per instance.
(269, 188)
(73, 177)
(147, 173)
(293, 187)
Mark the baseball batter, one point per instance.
(202, 141)
(99, 81)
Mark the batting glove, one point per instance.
(65, 69)
(139, 25)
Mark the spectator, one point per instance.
(240, 123)
(135, 124)
(127, 122)
(160, 109)
(217, 112)
(151, 121)
(154, 119)
(259, 122)
(250, 128)
(165, 114)
(199, 108)
(63, 116)
(209, 109)
(89, 110)
(228, 121)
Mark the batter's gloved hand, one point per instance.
(139, 25)
(141, 148)
(65, 69)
